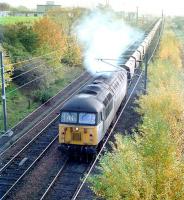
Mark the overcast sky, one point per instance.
(171, 7)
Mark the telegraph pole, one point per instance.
(3, 92)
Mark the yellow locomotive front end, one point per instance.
(77, 135)
(79, 131)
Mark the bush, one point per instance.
(152, 166)
(42, 96)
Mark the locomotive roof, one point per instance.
(93, 97)
(83, 103)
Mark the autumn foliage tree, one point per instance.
(49, 35)
(53, 38)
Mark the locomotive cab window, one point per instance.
(87, 118)
(69, 117)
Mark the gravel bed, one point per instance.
(35, 183)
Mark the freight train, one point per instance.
(86, 117)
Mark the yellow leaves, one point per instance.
(49, 34)
(170, 49)
(153, 166)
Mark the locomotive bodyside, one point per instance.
(84, 120)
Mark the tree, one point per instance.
(50, 36)
(20, 41)
(4, 7)
(19, 9)
(66, 17)
(73, 54)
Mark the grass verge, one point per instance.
(9, 20)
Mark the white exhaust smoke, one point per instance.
(103, 36)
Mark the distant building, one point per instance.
(21, 13)
(4, 13)
(26, 13)
(49, 6)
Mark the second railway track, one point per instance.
(16, 160)
(44, 120)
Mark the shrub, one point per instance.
(170, 49)
(42, 96)
(152, 166)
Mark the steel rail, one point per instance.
(54, 180)
(28, 169)
(81, 182)
(59, 174)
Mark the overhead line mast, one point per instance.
(3, 92)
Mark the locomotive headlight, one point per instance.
(76, 128)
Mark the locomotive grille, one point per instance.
(76, 136)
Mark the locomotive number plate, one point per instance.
(76, 136)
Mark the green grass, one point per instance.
(18, 103)
(16, 19)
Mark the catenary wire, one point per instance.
(31, 69)
(28, 60)
(64, 53)
(33, 80)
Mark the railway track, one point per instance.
(41, 114)
(67, 181)
(56, 104)
(14, 172)
(14, 168)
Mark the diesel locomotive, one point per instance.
(86, 117)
